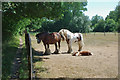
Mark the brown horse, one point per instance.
(49, 38)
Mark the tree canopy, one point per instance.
(18, 15)
(52, 16)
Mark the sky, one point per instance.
(100, 7)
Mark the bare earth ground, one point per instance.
(102, 64)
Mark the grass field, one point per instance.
(102, 64)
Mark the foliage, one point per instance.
(112, 20)
(73, 19)
(95, 19)
(80, 24)
(16, 15)
(99, 27)
(110, 25)
(52, 16)
(114, 14)
(118, 16)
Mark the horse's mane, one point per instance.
(64, 30)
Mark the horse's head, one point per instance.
(41, 36)
(38, 38)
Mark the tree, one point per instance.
(73, 17)
(75, 8)
(99, 27)
(110, 25)
(114, 15)
(14, 13)
(95, 22)
(80, 23)
(95, 19)
(118, 16)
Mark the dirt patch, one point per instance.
(102, 64)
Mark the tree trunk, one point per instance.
(104, 33)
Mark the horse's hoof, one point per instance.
(79, 50)
(69, 51)
(55, 52)
(47, 52)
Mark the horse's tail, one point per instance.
(61, 32)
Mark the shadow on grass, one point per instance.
(8, 55)
(37, 53)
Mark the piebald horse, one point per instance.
(71, 38)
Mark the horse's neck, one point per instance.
(68, 34)
(44, 36)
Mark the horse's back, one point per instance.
(52, 38)
(57, 36)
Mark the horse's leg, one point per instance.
(80, 44)
(44, 45)
(59, 45)
(47, 45)
(69, 46)
(56, 51)
(47, 50)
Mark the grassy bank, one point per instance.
(9, 49)
(8, 54)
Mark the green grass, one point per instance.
(8, 53)
(23, 71)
